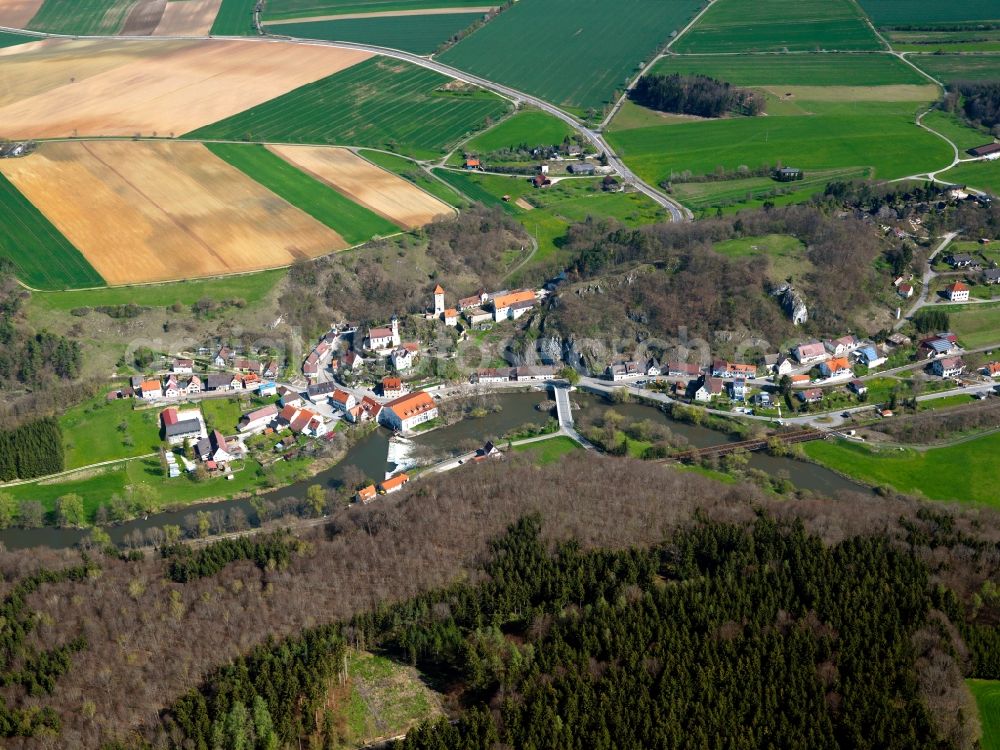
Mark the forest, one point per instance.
(696, 95)
(978, 101)
(209, 649)
(32, 450)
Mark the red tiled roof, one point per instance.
(411, 405)
(438, 289)
(392, 483)
(169, 416)
(367, 493)
(391, 384)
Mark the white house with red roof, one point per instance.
(810, 352)
(405, 413)
(383, 340)
(259, 419)
(343, 400)
(957, 292)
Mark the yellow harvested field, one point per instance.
(188, 18)
(16, 13)
(85, 88)
(162, 211)
(385, 14)
(385, 193)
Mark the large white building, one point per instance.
(408, 411)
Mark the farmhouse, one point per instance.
(151, 390)
(408, 411)
(949, 367)
(181, 426)
(957, 292)
(990, 151)
(492, 375)
(905, 290)
(836, 368)
(991, 276)
(258, 420)
(393, 484)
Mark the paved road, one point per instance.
(926, 281)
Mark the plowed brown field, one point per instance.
(163, 211)
(188, 18)
(66, 88)
(17, 13)
(386, 194)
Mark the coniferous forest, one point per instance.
(32, 450)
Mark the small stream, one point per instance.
(370, 455)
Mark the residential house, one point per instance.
(242, 364)
(475, 300)
(518, 309)
(489, 450)
(810, 396)
(258, 420)
(723, 369)
(705, 388)
(272, 369)
(937, 346)
(738, 390)
(960, 260)
(235, 383)
(800, 380)
(318, 391)
(581, 168)
(352, 361)
(406, 412)
(366, 494)
(392, 388)
(218, 381)
(948, 367)
(541, 180)
(343, 400)
(530, 374)
(150, 390)
(899, 339)
(402, 359)
(842, 346)
(858, 387)
(905, 290)
(682, 370)
(616, 372)
(393, 484)
(288, 397)
(192, 386)
(652, 368)
(869, 356)
(450, 317)
(492, 375)
(178, 427)
(810, 353)
(250, 381)
(300, 421)
(222, 357)
(170, 389)
(182, 366)
(836, 367)
(502, 303)
(268, 388)
(215, 448)
(957, 292)
(370, 409)
(310, 368)
(992, 369)
(136, 382)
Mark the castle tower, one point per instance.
(438, 300)
(395, 331)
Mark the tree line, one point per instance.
(695, 95)
(32, 450)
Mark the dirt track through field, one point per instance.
(383, 14)
(188, 18)
(163, 211)
(66, 88)
(143, 18)
(385, 193)
(894, 93)
(17, 13)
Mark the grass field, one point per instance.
(235, 18)
(84, 17)
(975, 325)
(786, 255)
(987, 695)
(574, 53)
(970, 40)
(42, 257)
(837, 135)
(252, 287)
(983, 175)
(356, 224)
(530, 128)
(776, 25)
(103, 431)
(412, 172)
(963, 472)
(949, 125)
(418, 34)
(378, 103)
(820, 69)
(9, 40)
(972, 67)
(549, 451)
(301, 8)
(928, 12)
(755, 190)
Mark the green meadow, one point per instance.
(9, 40)
(549, 451)
(929, 12)
(987, 695)
(530, 127)
(982, 175)
(777, 25)
(84, 17)
(235, 18)
(970, 67)
(302, 8)
(418, 34)
(880, 135)
(379, 103)
(356, 224)
(964, 473)
(819, 69)
(574, 53)
(975, 325)
(950, 126)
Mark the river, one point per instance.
(370, 455)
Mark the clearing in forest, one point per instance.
(161, 211)
(388, 195)
(65, 88)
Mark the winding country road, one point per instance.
(676, 210)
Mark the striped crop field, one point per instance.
(235, 18)
(380, 103)
(42, 257)
(310, 8)
(83, 17)
(418, 34)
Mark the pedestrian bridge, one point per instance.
(563, 408)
